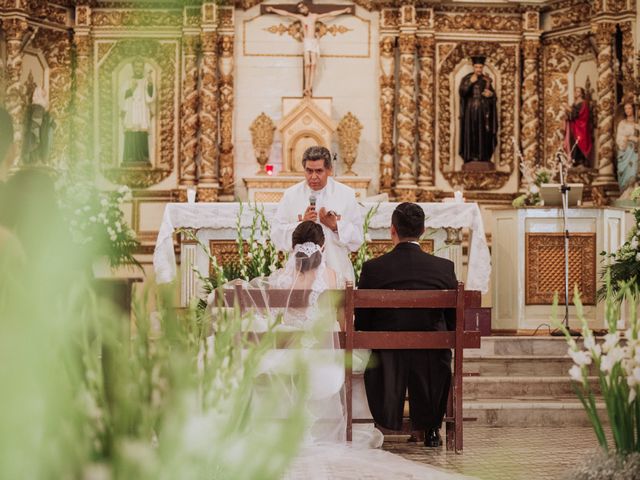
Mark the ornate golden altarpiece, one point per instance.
(537, 52)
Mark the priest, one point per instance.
(321, 199)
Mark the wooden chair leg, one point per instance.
(449, 424)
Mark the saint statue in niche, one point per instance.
(137, 112)
(38, 126)
(478, 116)
(310, 40)
(627, 133)
(578, 139)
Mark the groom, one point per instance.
(425, 373)
(321, 199)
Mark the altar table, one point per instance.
(218, 221)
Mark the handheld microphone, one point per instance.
(312, 201)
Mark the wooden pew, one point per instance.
(351, 339)
(379, 340)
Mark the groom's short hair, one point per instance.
(317, 153)
(408, 220)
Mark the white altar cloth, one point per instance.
(225, 216)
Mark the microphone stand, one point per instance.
(564, 190)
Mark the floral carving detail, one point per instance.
(426, 137)
(137, 18)
(209, 153)
(262, 130)
(349, 130)
(448, 22)
(573, 15)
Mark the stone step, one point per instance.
(521, 386)
(518, 365)
(510, 412)
(521, 345)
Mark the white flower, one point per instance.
(580, 357)
(92, 219)
(632, 395)
(638, 257)
(634, 242)
(591, 345)
(104, 202)
(272, 268)
(610, 341)
(534, 189)
(575, 373)
(607, 362)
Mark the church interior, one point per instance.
(191, 119)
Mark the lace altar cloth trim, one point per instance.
(218, 216)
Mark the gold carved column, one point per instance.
(82, 106)
(530, 113)
(387, 111)
(606, 103)
(225, 65)
(59, 60)
(189, 115)
(426, 49)
(406, 188)
(15, 30)
(208, 178)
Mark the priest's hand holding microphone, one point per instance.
(327, 218)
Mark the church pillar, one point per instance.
(82, 102)
(406, 189)
(208, 178)
(59, 60)
(225, 62)
(426, 102)
(530, 112)
(606, 103)
(15, 30)
(189, 115)
(387, 110)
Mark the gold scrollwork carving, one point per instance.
(162, 53)
(349, 129)
(387, 111)
(225, 64)
(426, 137)
(137, 18)
(448, 22)
(262, 130)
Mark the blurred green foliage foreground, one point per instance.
(86, 392)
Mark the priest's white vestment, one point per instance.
(335, 197)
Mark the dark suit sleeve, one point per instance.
(363, 315)
(452, 284)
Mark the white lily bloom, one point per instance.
(610, 341)
(634, 242)
(589, 342)
(580, 357)
(575, 373)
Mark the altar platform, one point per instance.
(216, 225)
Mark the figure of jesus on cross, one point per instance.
(308, 15)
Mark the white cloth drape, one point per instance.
(219, 216)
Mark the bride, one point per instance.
(325, 453)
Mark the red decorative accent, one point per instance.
(269, 169)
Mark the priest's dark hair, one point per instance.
(307, 231)
(408, 220)
(6, 133)
(317, 153)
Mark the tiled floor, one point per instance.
(507, 453)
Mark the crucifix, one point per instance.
(308, 15)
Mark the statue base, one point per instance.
(478, 167)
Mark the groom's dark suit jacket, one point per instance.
(426, 374)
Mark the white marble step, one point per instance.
(521, 386)
(529, 412)
(521, 345)
(518, 365)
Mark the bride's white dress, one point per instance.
(325, 453)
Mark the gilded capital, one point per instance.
(407, 43)
(426, 46)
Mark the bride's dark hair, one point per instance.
(307, 231)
